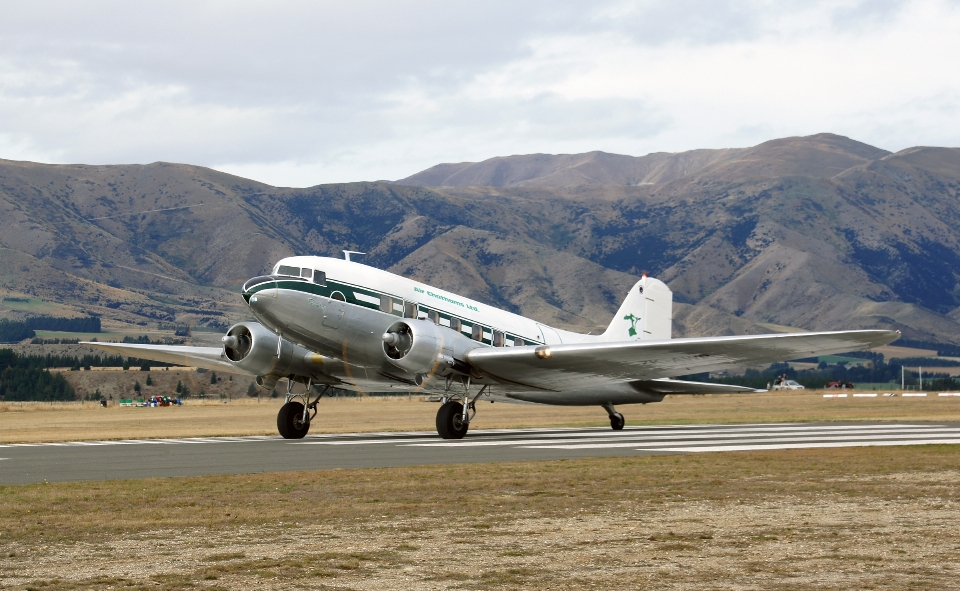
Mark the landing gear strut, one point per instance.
(454, 416)
(616, 419)
(293, 420)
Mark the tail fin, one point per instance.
(646, 314)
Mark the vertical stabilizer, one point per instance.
(645, 315)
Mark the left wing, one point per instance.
(589, 365)
(205, 357)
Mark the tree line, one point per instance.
(14, 331)
(27, 377)
(23, 379)
(823, 374)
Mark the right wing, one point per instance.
(205, 357)
(580, 366)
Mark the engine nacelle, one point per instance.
(424, 349)
(252, 347)
(416, 346)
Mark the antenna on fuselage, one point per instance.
(347, 253)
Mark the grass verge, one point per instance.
(871, 518)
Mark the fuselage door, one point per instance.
(550, 336)
(333, 311)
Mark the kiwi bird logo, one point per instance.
(633, 324)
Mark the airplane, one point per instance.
(327, 323)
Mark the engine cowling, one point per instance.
(252, 347)
(418, 347)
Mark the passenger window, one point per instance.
(386, 304)
(518, 342)
(319, 277)
(338, 296)
(433, 316)
(290, 271)
(497, 338)
(306, 273)
(409, 310)
(477, 333)
(456, 325)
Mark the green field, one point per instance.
(35, 306)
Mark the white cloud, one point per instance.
(300, 93)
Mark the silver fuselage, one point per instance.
(343, 316)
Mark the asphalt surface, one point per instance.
(148, 458)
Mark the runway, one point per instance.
(147, 458)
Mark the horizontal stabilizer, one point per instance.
(667, 386)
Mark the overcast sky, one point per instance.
(303, 93)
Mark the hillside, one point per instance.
(822, 155)
(815, 233)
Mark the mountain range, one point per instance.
(814, 233)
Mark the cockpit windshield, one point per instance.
(307, 273)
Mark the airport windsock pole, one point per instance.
(921, 377)
(902, 382)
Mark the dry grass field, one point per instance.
(867, 518)
(34, 422)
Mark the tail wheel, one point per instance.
(290, 421)
(617, 421)
(450, 423)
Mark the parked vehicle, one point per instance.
(788, 385)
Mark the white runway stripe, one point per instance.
(145, 441)
(760, 447)
(736, 437)
(633, 439)
(760, 440)
(600, 434)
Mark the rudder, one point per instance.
(646, 314)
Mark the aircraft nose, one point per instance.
(259, 303)
(258, 288)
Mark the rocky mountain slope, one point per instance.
(820, 232)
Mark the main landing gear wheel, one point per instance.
(290, 421)
(616, 421)
(450, 423)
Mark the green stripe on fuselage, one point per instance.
(320, 290)
(348, 294)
